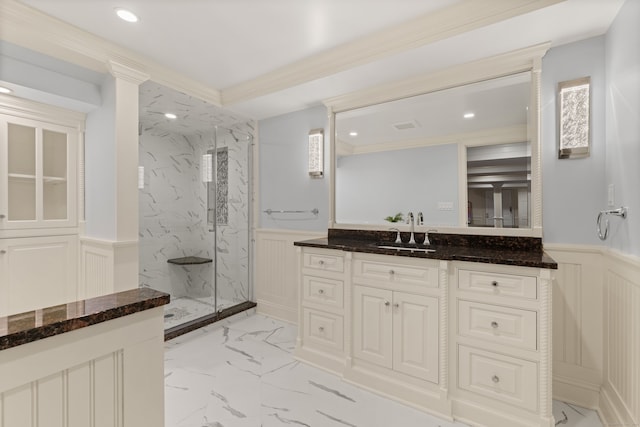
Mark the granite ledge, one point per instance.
(520, 258)
(23, 328)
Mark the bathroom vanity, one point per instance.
(463, 332)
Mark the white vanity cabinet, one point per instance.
(321, 310)
(464, 340)
(501, 344)
(395, 314)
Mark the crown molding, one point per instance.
(121, 71)
(517, 61)
(502, 135)
(56, 38)
(27, 109)
(460, 18)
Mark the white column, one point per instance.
(498, 220)
(127, 82)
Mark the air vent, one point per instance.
(405, 125)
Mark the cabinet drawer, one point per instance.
(396, 273)
(324, 261)
(508, 285)
(323, 291)
(498, 324)
(507, 379)
(323, 329)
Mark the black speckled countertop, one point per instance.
(517, 251)
(35, 325)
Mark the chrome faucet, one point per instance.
(410, 221)
(426, 237)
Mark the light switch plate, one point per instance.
(445, 206)
(611, 195)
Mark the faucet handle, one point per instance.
(420, 219)
(410, 218)
(398, 239)
(426, 237)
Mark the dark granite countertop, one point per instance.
(522, 256)
(35, 325)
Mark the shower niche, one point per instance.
(194, 207)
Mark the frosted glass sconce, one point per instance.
(574, 118)
(140, 177)
(316, 153)
(206, 167)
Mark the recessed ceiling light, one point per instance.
(469, 115)
(170, 116)
(354, 133)
(5, 89)
(127, 15)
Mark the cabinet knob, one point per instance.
(321, 328)
(495, 379)
(2, 252)
(321, 262)
(396, 305)
(321, 291)
(2, 216)
(387, 303)
(494, 284)
(391, 272)
(494, 325)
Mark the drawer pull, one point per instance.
(495, 379)
(387, 303)
(494, 325)
(494, 284)
(396, 305)
(321, 291)
(391, 272)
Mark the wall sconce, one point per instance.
(574, 118)
(206, 167)
(316, 153)
(140, 177)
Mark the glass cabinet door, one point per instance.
(37, 174)
(54, 171)
(21, 159)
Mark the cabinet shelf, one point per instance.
(22, 177)
(54, 180)
(189, 260)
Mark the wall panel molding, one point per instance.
(275, 279)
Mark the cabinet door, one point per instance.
(38, 170)
(37, 272)
(372, 330)
(415, 334)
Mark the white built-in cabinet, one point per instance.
(467, 341)
(39, 164)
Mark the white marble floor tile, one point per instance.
(241, 373)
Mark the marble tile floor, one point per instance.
(184, 309)
(240, 372)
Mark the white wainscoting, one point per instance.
(107, 266)
(96, 268)
(578, 291)
(620, 404)
(275, 280)
(109, 374)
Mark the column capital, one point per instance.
(125, 72)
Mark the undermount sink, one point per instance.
(407, 248)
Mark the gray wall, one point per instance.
(623, 128)
(284, 180)
(573, 189)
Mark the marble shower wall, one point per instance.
(173, 221)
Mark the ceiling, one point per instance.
(266, 58)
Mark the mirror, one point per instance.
(438, 153)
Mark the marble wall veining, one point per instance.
(173, 215)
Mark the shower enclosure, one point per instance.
(194, 207)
